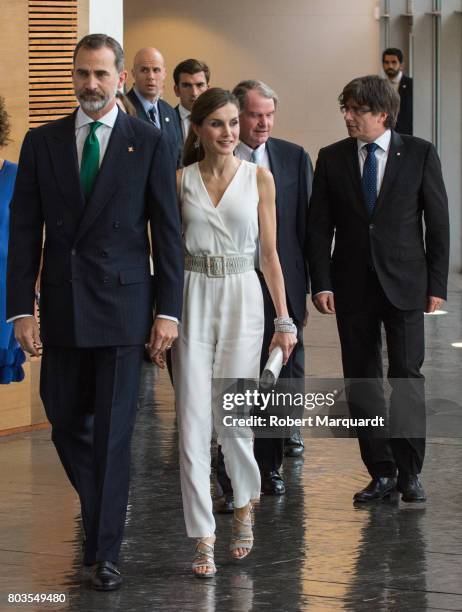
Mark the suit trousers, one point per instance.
(361, 343)
(90, 397)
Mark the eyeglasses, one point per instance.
(354, 110)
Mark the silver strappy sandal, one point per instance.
(203, 557)
(242, 534)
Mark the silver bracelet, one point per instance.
(285, 325)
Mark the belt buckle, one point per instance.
(215, 266)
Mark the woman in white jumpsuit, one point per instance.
(223, 203)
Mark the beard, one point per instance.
(391, 72)
(93, 101)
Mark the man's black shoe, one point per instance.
(106, 577)
(272, 483)
(226, 505)
(377, 489)
(411, 490)
(294, 446)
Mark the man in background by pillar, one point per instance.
(392, 61)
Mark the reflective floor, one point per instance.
(313, 551)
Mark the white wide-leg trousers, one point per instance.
(220, 337)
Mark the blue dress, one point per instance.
(11, 355)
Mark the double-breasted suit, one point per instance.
(382, 269)
(97, 298)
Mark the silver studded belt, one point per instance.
(219, 265)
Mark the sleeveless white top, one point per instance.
(230, 228)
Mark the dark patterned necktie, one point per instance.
(153, 116)
(369, 178)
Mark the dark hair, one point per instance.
(191, 66)
(97, 41)
(127, 104)
(4, 124)
(393, 51)
(208, 102)
(375, 93)
(241, 89)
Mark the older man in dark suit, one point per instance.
(149, 74)
(92, 180)
(383, 196)
(292, 171)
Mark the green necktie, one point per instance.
(89, 165)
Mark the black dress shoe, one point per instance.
(106, 576)
(411, 490)
(226, 505)
(272, 483)
(294, 446)
(377, 489)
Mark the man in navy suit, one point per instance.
(383, 197)
(149, 74)
(191, 78)
(292, 171)
(392, 61)
(92, 180)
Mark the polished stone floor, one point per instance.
(314, 550)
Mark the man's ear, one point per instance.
(122, 78)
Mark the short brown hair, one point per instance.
(97, 41)
(191, 66)
(375, 93)
(4, 124)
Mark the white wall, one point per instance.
(107, 17)
(307, 50)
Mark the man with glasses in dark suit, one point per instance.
(382, 195)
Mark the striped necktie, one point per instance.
(153, 116)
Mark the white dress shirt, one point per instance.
(381, 154)
(185, 120)
(103, 133)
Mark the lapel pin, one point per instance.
(131, 149)
(167, 119)
(398, 154)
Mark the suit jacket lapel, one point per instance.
(116, 163)
(354, 173)
(277, 169)
(63, 152)
(165, 120)
(395, 155)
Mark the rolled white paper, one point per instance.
(272, 368)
